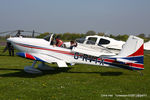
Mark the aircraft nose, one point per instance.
(9, 40)
(14, 40)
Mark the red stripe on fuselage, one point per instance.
(58, 51)
(136, 65)
(129, 64)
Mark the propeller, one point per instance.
(33, 33)
(17, 33)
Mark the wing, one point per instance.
(92, 51)
(43, 58)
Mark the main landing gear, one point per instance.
(33, 70)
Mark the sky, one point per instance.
(59, 16)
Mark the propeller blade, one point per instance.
(17, 33)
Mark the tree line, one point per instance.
(72, 36)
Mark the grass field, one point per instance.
(79, 82)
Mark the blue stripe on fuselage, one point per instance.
(137, 59)
(123, 66)
(38, 59)
(22, 54)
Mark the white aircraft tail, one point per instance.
(132, 54)
(133, 47)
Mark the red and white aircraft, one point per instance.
(130, 57)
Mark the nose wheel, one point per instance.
(32, 70)
(43, 66)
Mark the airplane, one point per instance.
(130, 57)
(147, 45)
(96, 42)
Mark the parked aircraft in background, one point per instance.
(147, 45)
(96, 42)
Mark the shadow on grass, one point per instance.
(102, 73)
(7, 55)
(22, 74)
(4, 55)
(10, 69)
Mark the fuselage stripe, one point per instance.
(58, 51)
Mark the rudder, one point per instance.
(133, 47)
(133, 53)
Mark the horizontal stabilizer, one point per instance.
(125, 60)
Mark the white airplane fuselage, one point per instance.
(41, 46)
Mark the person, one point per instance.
(73, 44)
(10, 48)
(59, 42)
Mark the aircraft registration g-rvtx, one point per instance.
(130, 57)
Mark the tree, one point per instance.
(111, 36)
(121, 37)
(149, 36)
(101, 33)
(142, 35)
(43, 35)
(91, 32)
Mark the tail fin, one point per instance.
(133, 47)
(132, 53)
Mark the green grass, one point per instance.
(80, 82)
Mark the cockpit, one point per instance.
(93, 41)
